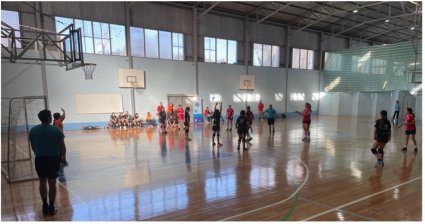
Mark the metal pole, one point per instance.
(246, 53)
(195, 48)
(39, 25)
(287, 67)
(130, 58)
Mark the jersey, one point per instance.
(180, 113)
(409, 119)
(260, 107)
(229, 113)
(383, 129)
(158, 109)
(216, 121)
(306, 115)
(186, 119)
(242, 124)
(249, 117)
(271, 113)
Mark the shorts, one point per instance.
(411, 132)
(47, 166)
(216, 128)
(270, 121)
(230, 118)
(382, 139)
(306, 122)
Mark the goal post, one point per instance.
(18, 116)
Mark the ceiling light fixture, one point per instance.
(355, 11)
(412, 28)
(387, 20)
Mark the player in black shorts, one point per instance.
(216, 117)
(242, 128)
(187, 123)
(382, 135)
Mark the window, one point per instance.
(266, 55)
(178, 46)
(12, 19)
(220, 50)
(378, 66)
(97, 37)
(360, 64)
(156, 44)
(302, 58)
(333, 61)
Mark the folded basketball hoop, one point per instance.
(88, 70)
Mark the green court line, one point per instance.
(292, 208)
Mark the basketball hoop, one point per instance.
(88, 70)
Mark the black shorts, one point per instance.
(216, 128)
(306, 122)
(412, 132)
(47, 166)
(270, 121)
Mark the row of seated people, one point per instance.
(124, 119)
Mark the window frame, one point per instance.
(271, 57)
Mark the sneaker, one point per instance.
(245, 148)
(64, 163)
(239, 147)
(416, 149)
(379, 164)
(213, 143)
(45, 209)
(273, 130)
(52, 210)
(219, 144)
(303, 139)
(404, 149)
(188, 139)
(249, 139)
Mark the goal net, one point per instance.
(18, 116)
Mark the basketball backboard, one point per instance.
(246, 82)
(131, 78)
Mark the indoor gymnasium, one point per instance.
(211, 111)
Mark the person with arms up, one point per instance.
(216, 117)
(187, 123)
(57, 122)
(48, 145)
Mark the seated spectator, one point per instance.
(113, 121)
(149, 119)
(137, 121)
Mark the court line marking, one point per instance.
(279, 202)
(358, 200)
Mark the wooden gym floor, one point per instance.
(137, 174)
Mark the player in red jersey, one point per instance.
(229, 113)
(260, 109)
(306, 121)
(180, 116)
(409, 122)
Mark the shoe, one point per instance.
(239, 147)
(416, 149)
(213, 143)
(245, 148)
(219, 144)
(45, 209)
(303, 139)
(52, 210)
(273, 130)
(64, 163)
(188, 139)
(379, 164)
(230, 129)
(404, 149)
(249, 139)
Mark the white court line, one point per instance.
(358, 200)
(279, 202)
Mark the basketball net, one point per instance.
(88, 70)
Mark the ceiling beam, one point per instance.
(336, 13)
(276, 11)
(206, 11)
(369, 21)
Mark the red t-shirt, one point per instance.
(170, 109)
(306, 114)
(180, 113)
(410, 124)
(158, 109)
(58, 123)
(206, 112)
(260, 107)
(230, 113)
(249, 117)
